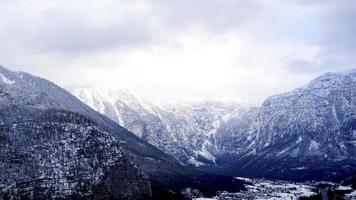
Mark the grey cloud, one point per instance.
(334, 30)
(214, 15)
(338, 41)
(71, 31)
(58, 30)
(338, 26)
(301, 66)
(82, 37)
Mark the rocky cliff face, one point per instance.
(186, 131)
(321, 118)
(59, 154)
(198, 124)
(308, 131)
(235, 135)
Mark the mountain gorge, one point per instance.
(308, 133)
(53, 145)
(186, 131)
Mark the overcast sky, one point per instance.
(180, 49)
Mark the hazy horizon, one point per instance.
(178, 50)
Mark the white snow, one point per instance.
(196, 163)
(299, 168)
(6, 80)
(314, 146)
(352, 195)
(268, 189)
(300, 139)
(206, 154)
(282, 152)
(243, 179)
(341, 187)
(334, 112)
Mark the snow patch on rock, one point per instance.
(6, 80)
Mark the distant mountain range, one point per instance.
(304, 128)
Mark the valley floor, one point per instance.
(263, 189)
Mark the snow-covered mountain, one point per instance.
(291, 133)
(310, 131)
(185, 130)
(235, 135)
(58, 154)
(53, 145)
(47, 151)
(321, 117)
(199, 122)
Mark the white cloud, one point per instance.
(169, 50)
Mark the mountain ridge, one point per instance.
(301, 129)
(185, 131)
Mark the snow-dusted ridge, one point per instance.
(185, 129)
(6, 80)
(300, 130)
(54, 146)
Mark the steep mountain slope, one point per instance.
(30, 97)
(322, 115)
(199, 122)
(236, 134)
(185, 131)
(58, 154)
(308, 132)
(33, 92)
